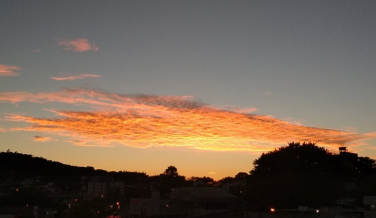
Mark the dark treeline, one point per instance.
(305, 174)
(24, 166)
(292, 175)
(29, 180)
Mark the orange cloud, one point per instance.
(2, 129)
(8, 70)
(74, 77)
(85, 143)
(41, 139)
(144, 120)
(78, 45)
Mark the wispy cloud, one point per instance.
(240, 110)
(78, 142)
(146, 120)
(84, 143)
(41, 138)
(2, 129)
(37, 50)
(75, 77)
(78, 45)
(8, 70)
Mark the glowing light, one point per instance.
(272, 210)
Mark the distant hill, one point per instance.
(29, 180)
(23, 166)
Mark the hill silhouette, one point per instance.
(23, 166)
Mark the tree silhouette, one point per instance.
(201, 181)
(297, 174)
(241, 175)
(171, 171)
(306, 158)
(170, 178)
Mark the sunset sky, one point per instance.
(206, 86)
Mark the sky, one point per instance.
(205, 86)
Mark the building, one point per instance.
(200, 201)
(145, 207)
(99, 186)
(370, 206)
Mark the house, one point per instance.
(145, 207)
(98, 186)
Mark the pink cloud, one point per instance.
(75, 77)
(8, 70)
(2, 129)
(79, 45)
(37, 50)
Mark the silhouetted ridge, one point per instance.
(24, 166)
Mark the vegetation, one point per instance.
(292, 175)
(305, 174)
(24, 166)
